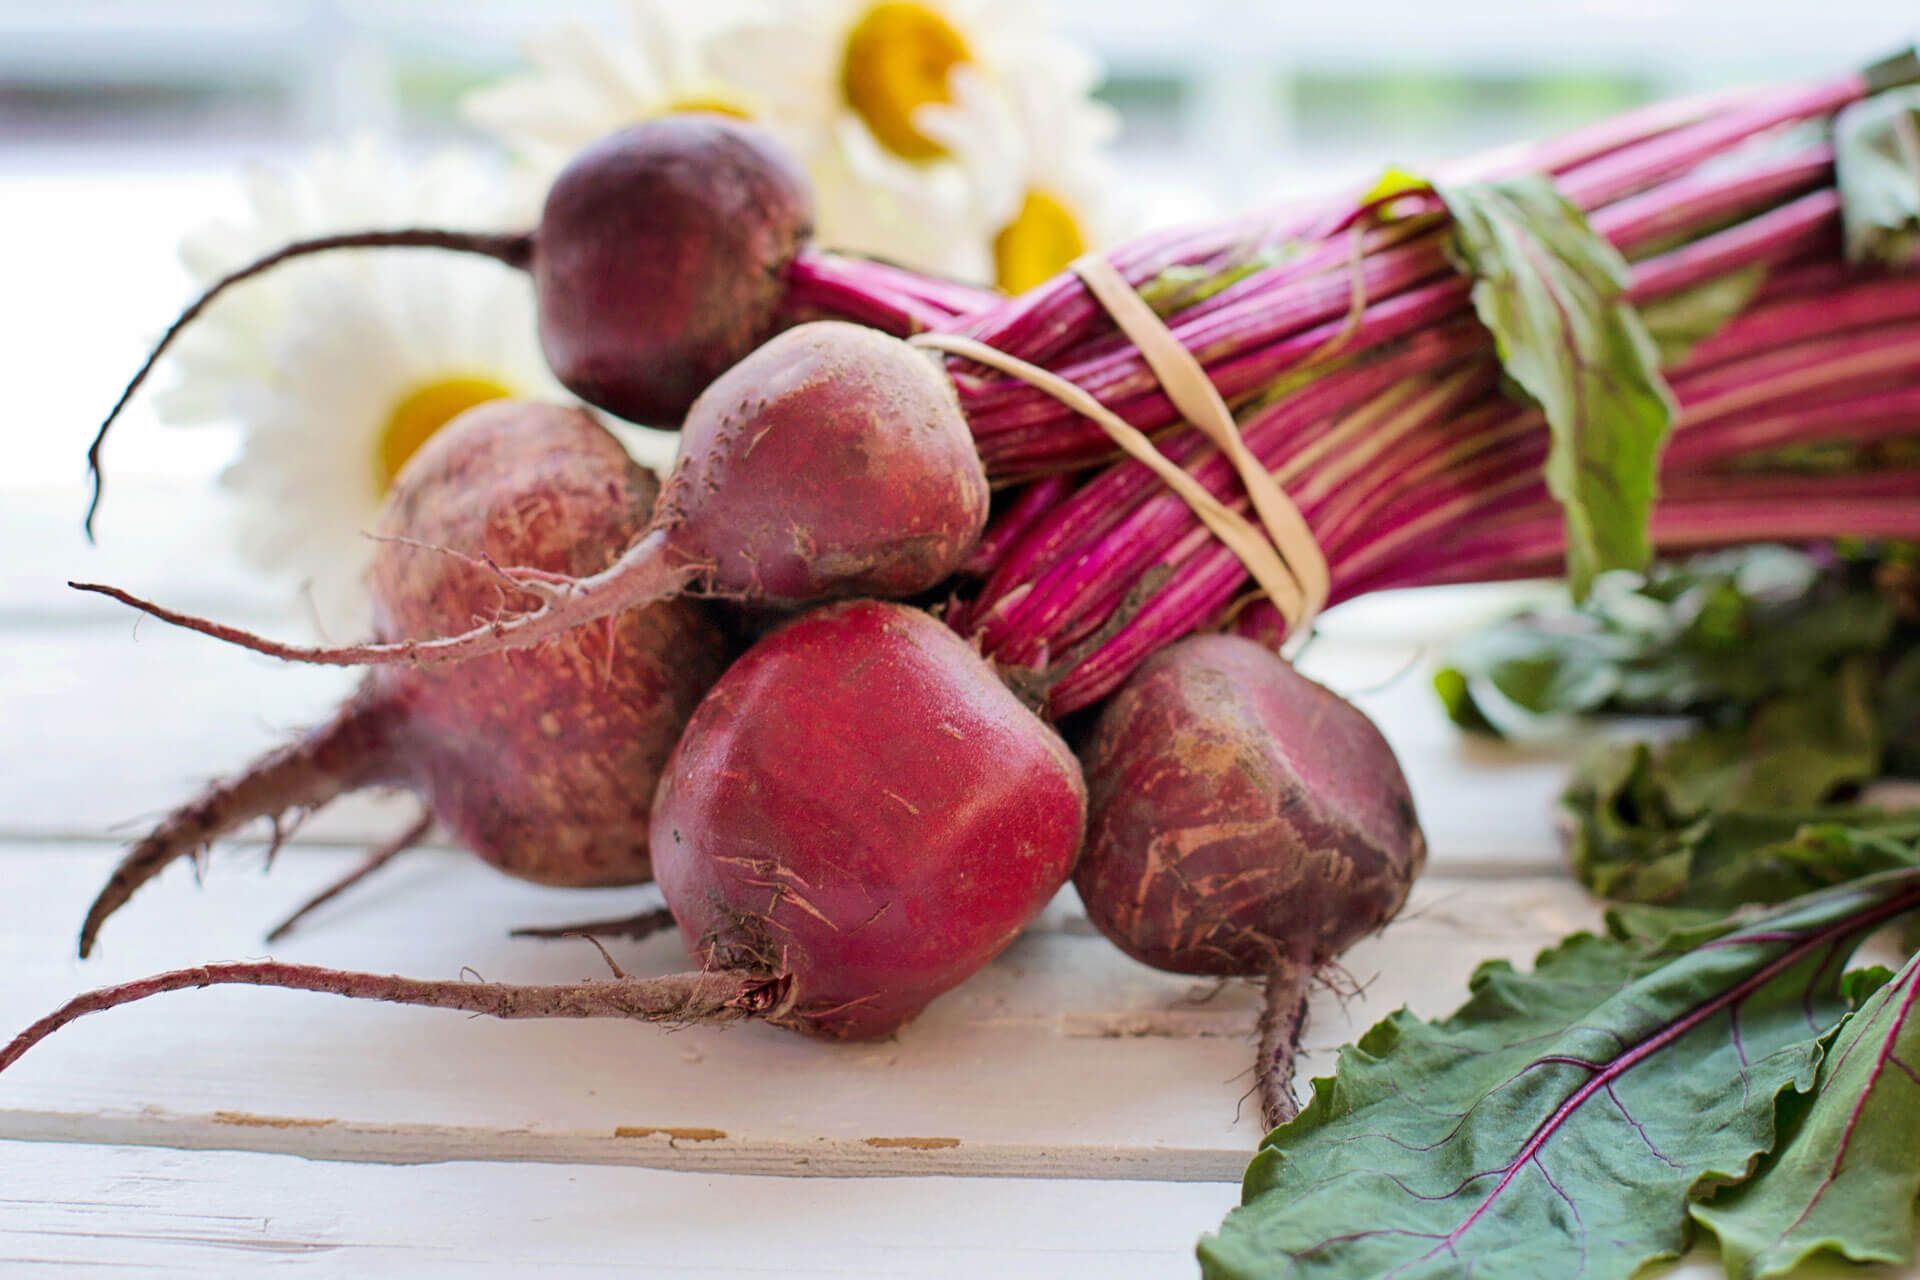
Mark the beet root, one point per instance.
(378, 857)
(1243, 821)
(834, 461)
(634, 928)
(542, 762)
(861, 805)
(674, 999)
(859, 816)
(660, 260)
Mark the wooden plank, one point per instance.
(1063, 1059)
(105, 1210)
(109, 726)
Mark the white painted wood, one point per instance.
(1063, 1059)
(97, 1211)
(110, 725)
(87, 1211)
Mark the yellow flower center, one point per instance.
(425, 410)
(712, 105)
(899, 58)
(1038, 244)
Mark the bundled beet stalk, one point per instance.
(1695, 338)
(1268, 298)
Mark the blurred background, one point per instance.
(124, 122)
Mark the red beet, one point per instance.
(541, 762)
(858, 817)
(668, 241)
(1243, 821)
(833, 461)
(660, 260)
(861, 805)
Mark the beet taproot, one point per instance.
(859, 816)
(542, 762)
(1243, 821)
(659, 261)
(834, 461)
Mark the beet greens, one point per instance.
(1565, 1114)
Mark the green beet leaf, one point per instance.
(1629, 842)
(1550, 291)
(1793, 749)
(1558, 1123)
(1845, 1179)
(1740, 813)
(1713, 634)
(1876, 156)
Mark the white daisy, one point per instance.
(850, 83)
(362, 185)
(368, 370)
(580, 85)
(840, 81)
(1034, 151)
(820, 63)
(336, 367)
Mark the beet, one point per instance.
(862, 805)
(542, 762)
(661, 257)
(859, 816)
(1243, 821)
(833, 461)
(660, 260)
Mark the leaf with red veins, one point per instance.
(1845, 1180)
(1558, 1123)
(1550, 290)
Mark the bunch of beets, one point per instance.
(816, 683)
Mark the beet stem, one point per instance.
(723, 995)
(632, 928)
(513, 248)
(1282, 1021)
(342, 755)
(641, 576)
(379, 857)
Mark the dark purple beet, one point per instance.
(1243, 821)
(660, 261)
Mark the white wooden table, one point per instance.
(1066, 1113)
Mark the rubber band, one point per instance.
(1255, 549)
(1285, 559)
(1200, 402)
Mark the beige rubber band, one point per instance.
(1199, 401)
(1255, 549)
(1285, 561)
